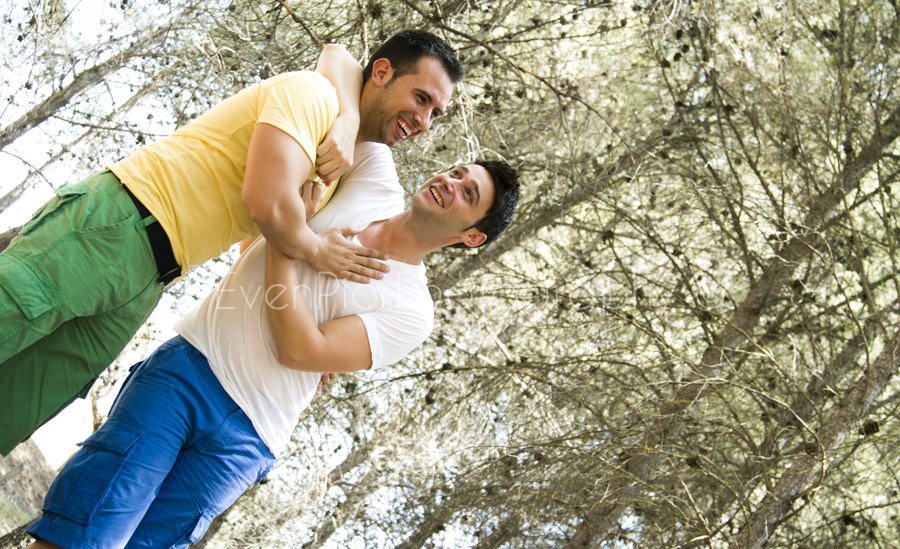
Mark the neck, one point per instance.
(365, 109)
(399, 238)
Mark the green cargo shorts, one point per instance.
(75, 286)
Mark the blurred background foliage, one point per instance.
(689, 336)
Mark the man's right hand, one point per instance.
(335, 254)
(335, 155)
(326, 379)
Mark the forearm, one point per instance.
(345, 74)
(273, 184)
(298, 339)
(276, 168)
(284, 225)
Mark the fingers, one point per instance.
(332, 170)
(353, 277)
(327, 378)
(364, 252)
(364, 265)
(312, 189)
(347, 260)
(360, 274)
(350, 247)
(318, 191)
(363, 270)
(326, 150)
(375, 271)
(311, 193)
(370, 252)
(331, 163)
(306, 191)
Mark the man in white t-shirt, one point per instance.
(203, 418)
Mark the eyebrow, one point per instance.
(477, 192)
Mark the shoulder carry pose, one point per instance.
(87, 270)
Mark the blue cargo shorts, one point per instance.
(175, 453)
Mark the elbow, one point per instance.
(340, 51)
(334, 47)
(260, 211)
(296, 359)
(290, 358)
(287, 360)
(337, 49)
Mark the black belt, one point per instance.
(162, 249)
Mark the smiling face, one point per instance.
(453, 201)
(395, 108)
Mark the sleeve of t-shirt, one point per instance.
(394, 334)
(301, 104)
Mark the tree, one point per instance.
(688, 336)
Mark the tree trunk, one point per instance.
(802, 407)
(7, 236)
(807, 470)
(603, 516)
(82, 81)
(348, 510)
(25, 477)
(13, 194)
(358, 455)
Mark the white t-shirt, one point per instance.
(230, 326)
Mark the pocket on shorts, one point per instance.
(87, 478)
(26, 289)
(64, 195)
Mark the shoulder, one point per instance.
(371, 158)
(413, 295)
(405, 325)
(296, 79)
(300, 84)
(371, 184)
(373, 166)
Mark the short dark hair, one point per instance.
(506, 196)
(405, 48)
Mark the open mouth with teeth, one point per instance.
(437, 197)
(405, 130)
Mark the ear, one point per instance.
(473, 238)
(382, 71)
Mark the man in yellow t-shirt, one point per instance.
(90, 266)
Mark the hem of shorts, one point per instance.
(58, 530)
(6, 444)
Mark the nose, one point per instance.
(452, 182)
(424, 120)
(456, 186)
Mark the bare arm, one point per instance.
(339, 345)
(276, 169)
(335, 154)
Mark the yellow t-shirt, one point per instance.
(191, 181)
